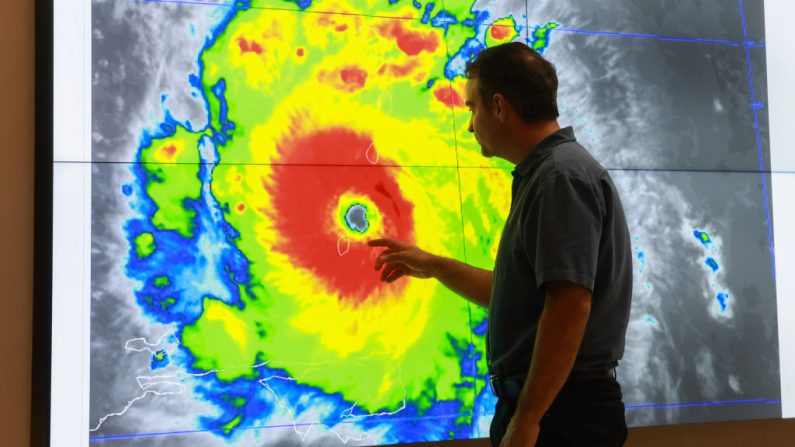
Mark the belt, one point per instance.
(511, 387)
(582, 376)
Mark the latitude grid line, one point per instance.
(746, 44)
(409, 166)
(451, 416)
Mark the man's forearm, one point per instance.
(558, 341)
(472, 283)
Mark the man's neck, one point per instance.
(528, 137)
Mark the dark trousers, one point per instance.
(585, 413)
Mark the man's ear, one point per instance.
(500, 107)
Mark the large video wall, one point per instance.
(239, 154)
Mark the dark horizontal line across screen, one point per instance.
(342, 165)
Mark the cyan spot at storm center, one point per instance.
(356, 218)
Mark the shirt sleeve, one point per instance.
(562, 230)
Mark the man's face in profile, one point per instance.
(482, 122)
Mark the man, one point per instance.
(560, 292)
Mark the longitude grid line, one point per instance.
(463, 233)
(527, 22)
(758, 135)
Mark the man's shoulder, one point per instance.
(568, 161)
(572, 160)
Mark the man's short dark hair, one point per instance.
(527, 80)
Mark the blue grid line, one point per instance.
(451, 416)
(648, 36)
(264, 427)
(702, 404)
(748, 43)
(755, 106)
(152, 435)
(692, 404)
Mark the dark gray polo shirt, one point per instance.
(566, 223)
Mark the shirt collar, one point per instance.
(561, 136)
